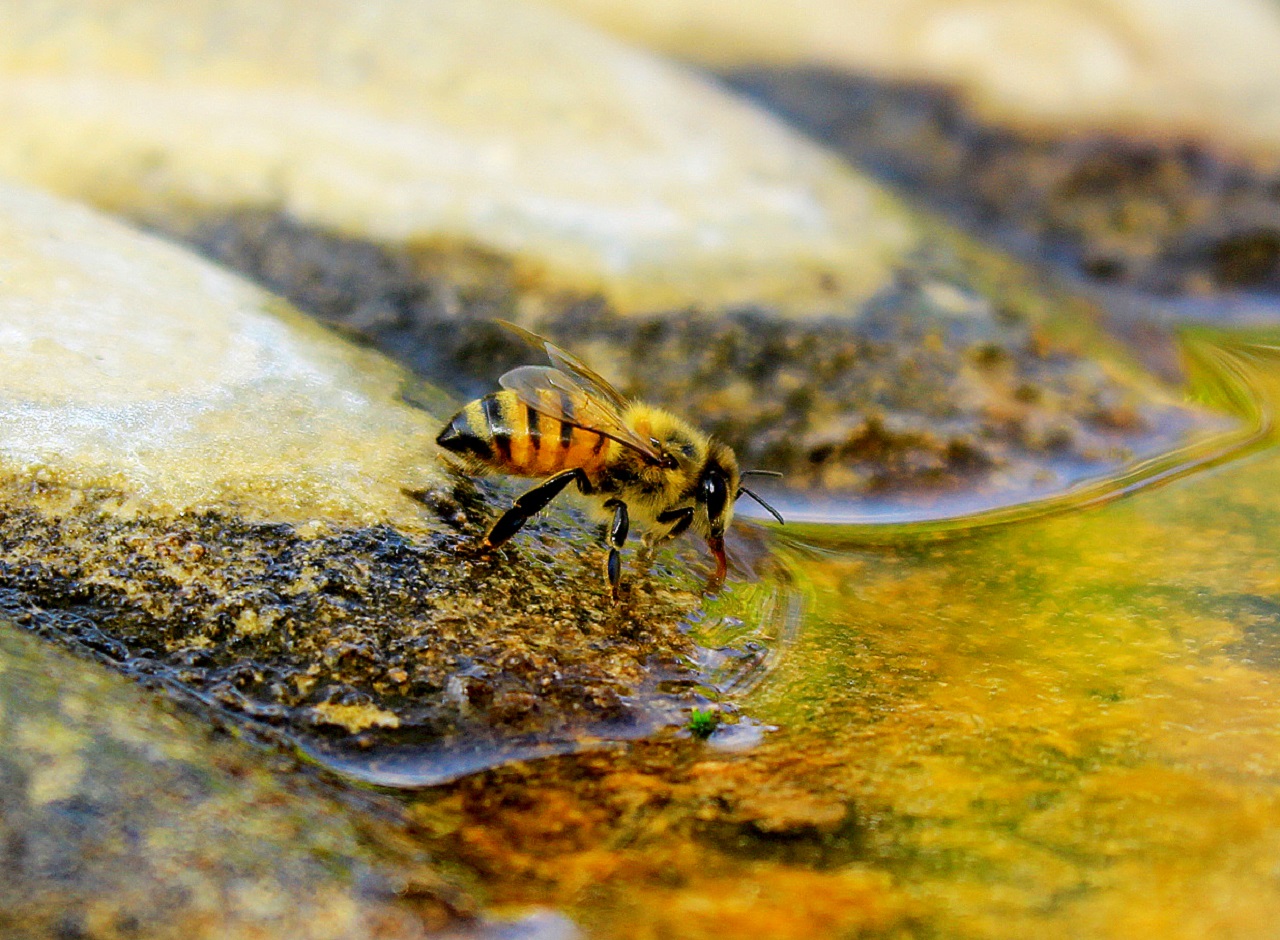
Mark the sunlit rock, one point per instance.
(1204, 69)
(130, 363)
(491, 123)
(1133, 144)
(698, 252)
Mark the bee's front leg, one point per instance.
(682, 518)
(617, 538)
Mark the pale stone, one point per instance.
(1199, 68)
(355, 718)
(490, 122)
(132, 364)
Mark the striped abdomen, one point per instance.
(502, 431)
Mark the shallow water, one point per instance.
(1061, 719)
(1068, 723)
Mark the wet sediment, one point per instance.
(355, 642)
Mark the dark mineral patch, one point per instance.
(1162, 216)
(356, 641)
(946, 382)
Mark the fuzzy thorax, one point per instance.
(650, 490)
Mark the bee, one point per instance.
(635, 464)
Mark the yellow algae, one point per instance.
(1063, 710)
(1206, 68)
(355, 718)
(493, 123)
(132, 365)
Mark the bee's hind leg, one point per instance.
(617, 537)
(530, 503)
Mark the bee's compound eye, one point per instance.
(715, 494)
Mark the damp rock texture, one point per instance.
(203, 488)
(395, 660)
(955, 378)
(494, 123)
(120, 818)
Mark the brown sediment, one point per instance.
(669, 839)
(1165, 216)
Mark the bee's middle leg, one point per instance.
(617, 538)
(530, 503)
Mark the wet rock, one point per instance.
(119, 817)
(205, 490)
(597, 166)
(773, 296)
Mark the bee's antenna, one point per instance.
(760, 473)
(777, 515)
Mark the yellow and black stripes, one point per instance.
(504, 432)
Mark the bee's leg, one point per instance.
(682, 519)
(617, 538)
(530, 503)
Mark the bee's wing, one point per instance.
(570, 364)
(567, 398)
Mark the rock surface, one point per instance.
(121, 818)
(1206, 68)
(1168, 216)
(211, 491)
(132, 364)
(965, 382)
(712, 247)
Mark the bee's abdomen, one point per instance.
(503, 432)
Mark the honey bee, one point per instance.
(634, 463)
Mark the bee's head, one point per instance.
(719, 486)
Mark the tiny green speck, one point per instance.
(703, 722)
